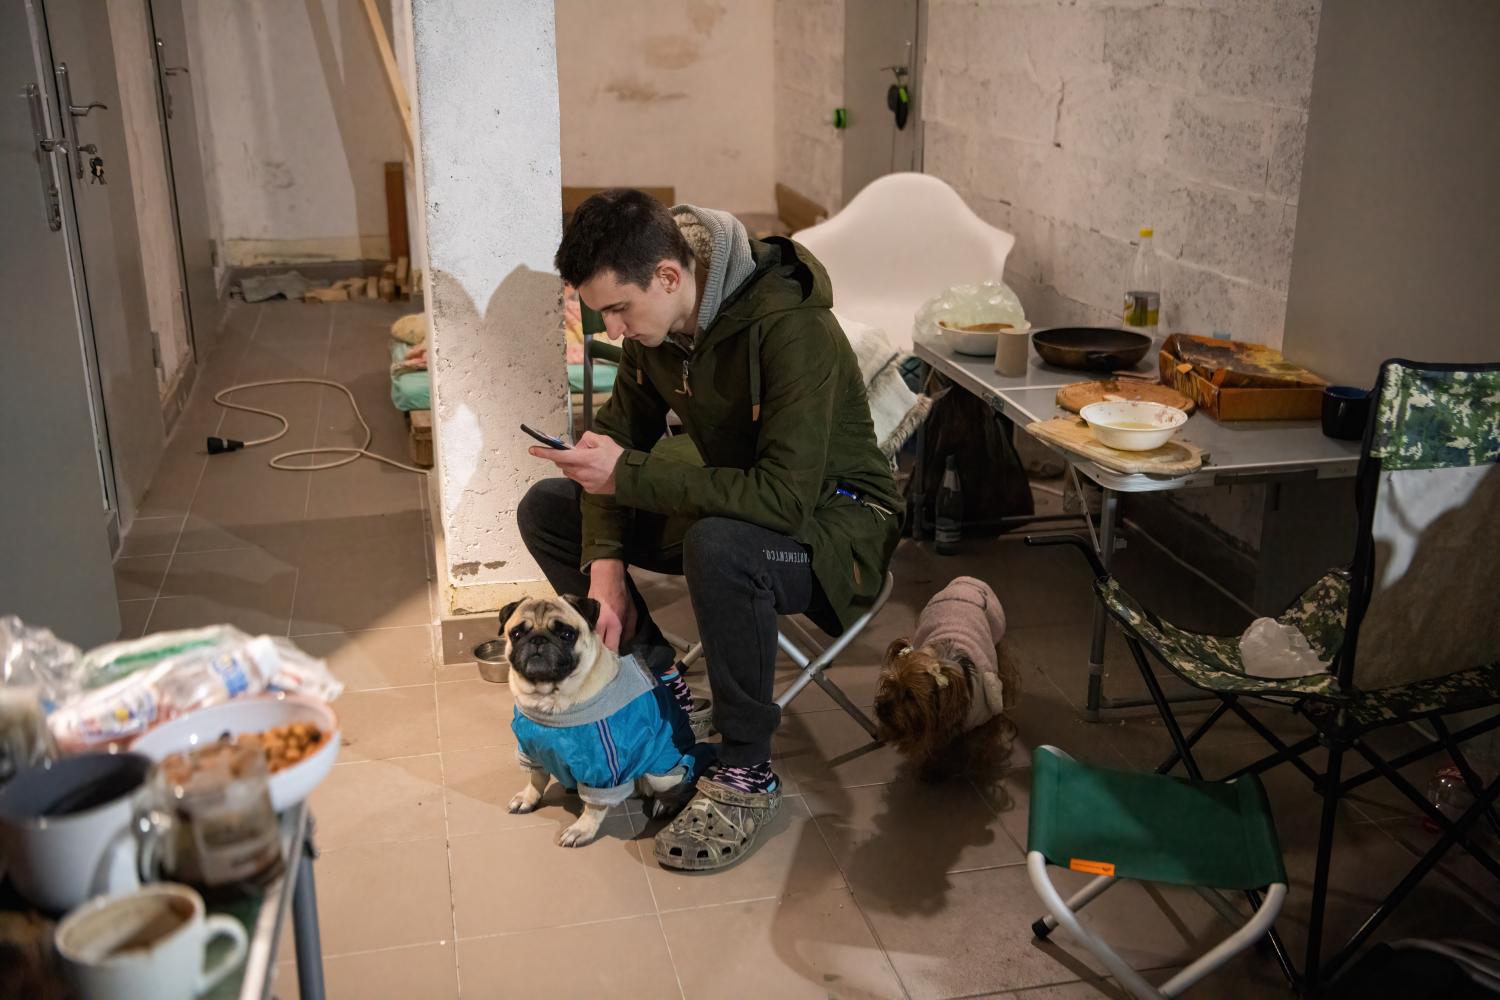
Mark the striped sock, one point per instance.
(754, 778)
(673, 682)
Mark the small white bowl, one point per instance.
(978, 340)
(253, 715)
(1133, 425)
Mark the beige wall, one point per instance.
(1398, 245)
(296, 124)
(1074, 126)
(669, 92)
(809, 85)
(129, 25)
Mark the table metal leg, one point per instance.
(305, 934)
(1097, 701)
(914, 494)
(1109, 511)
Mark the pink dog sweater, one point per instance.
(967, 614)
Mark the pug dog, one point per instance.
(593, 720)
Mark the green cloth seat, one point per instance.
(1152, 827)
(1461, 692)
(1213, 662)
(604, 377)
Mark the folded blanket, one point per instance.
(896, 411)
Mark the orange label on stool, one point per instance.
(1092, 867)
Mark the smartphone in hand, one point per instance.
(551, 442)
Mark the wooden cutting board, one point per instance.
(1071, 434)
(1076, 395)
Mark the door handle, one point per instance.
(174, 70)
(70, 127)
(162, 72)
(51, 197)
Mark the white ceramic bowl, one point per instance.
(977, 341)
(253, 715)
(1133, 425)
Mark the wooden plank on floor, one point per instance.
(403, 277)
(421, 438)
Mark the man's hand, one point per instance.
(616, 609)
(590, 463)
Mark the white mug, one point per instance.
(146, 945)
(66, 828)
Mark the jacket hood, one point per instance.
(720, 239)
(786, 278)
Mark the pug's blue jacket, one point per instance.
(602, 747)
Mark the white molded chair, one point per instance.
(902, 240)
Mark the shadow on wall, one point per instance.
(490, 372)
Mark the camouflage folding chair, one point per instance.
(1418, 605)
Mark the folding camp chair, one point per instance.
(812, 660)
(1208, 835)
(1419, 605)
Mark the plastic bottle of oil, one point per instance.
(1143, 290)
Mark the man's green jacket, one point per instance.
(772, 396)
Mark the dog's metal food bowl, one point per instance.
(493, 666)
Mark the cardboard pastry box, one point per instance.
(1231, 380)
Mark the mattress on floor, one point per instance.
(413, 390)
(409, 390)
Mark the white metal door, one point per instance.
(55, 565)
(882, 49)
(90, 117)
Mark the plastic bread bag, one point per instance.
(965, 305)
(37, 669)
(169, 674)
(106, 664)
(32, 657)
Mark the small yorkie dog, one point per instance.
(942, 691)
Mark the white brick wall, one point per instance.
(809, 85)
(1073, 123)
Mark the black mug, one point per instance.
(1346, 410)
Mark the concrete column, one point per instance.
(487, 114)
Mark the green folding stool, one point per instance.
(1208, 835)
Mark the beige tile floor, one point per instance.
(870, 883)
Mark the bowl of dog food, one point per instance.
(978, 340)
(1132, 425)
(299, 736)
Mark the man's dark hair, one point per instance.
(622, 229)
